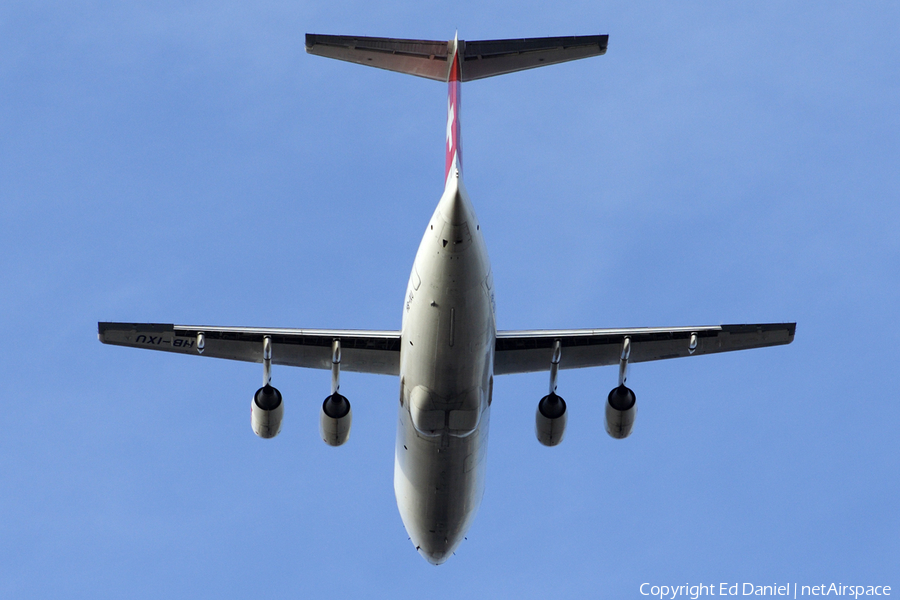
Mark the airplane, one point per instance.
(448, 349)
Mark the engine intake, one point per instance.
(550, 420)
(266, 411)
(335, 419)
(621, 407)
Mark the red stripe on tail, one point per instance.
(454, 132)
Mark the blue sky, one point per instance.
(187, 162)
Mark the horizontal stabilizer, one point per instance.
(415, 57)
(480, 59)
(498, 57)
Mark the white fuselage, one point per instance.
(446, 376)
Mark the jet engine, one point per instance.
(335, 419)
(621, 407)
(266, 411)
(550, 420)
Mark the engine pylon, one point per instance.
(266, 407)
(621, 404)
(336, 416)
(551, 416)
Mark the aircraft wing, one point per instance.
(530, 351)
(379, 351)
(361, 351)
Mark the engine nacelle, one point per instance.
(335, 419)
(266, 411)
(621, 407)
(550, 420)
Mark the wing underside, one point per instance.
(530, 351)
(379, 351)
(361, 351)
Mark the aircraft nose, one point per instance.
(436, 550)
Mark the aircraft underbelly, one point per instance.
(446, 368)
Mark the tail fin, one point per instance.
(454, 62)
(433, 60)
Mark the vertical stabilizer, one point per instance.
(453, 161)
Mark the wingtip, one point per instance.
(792, 330)
(101, 331)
